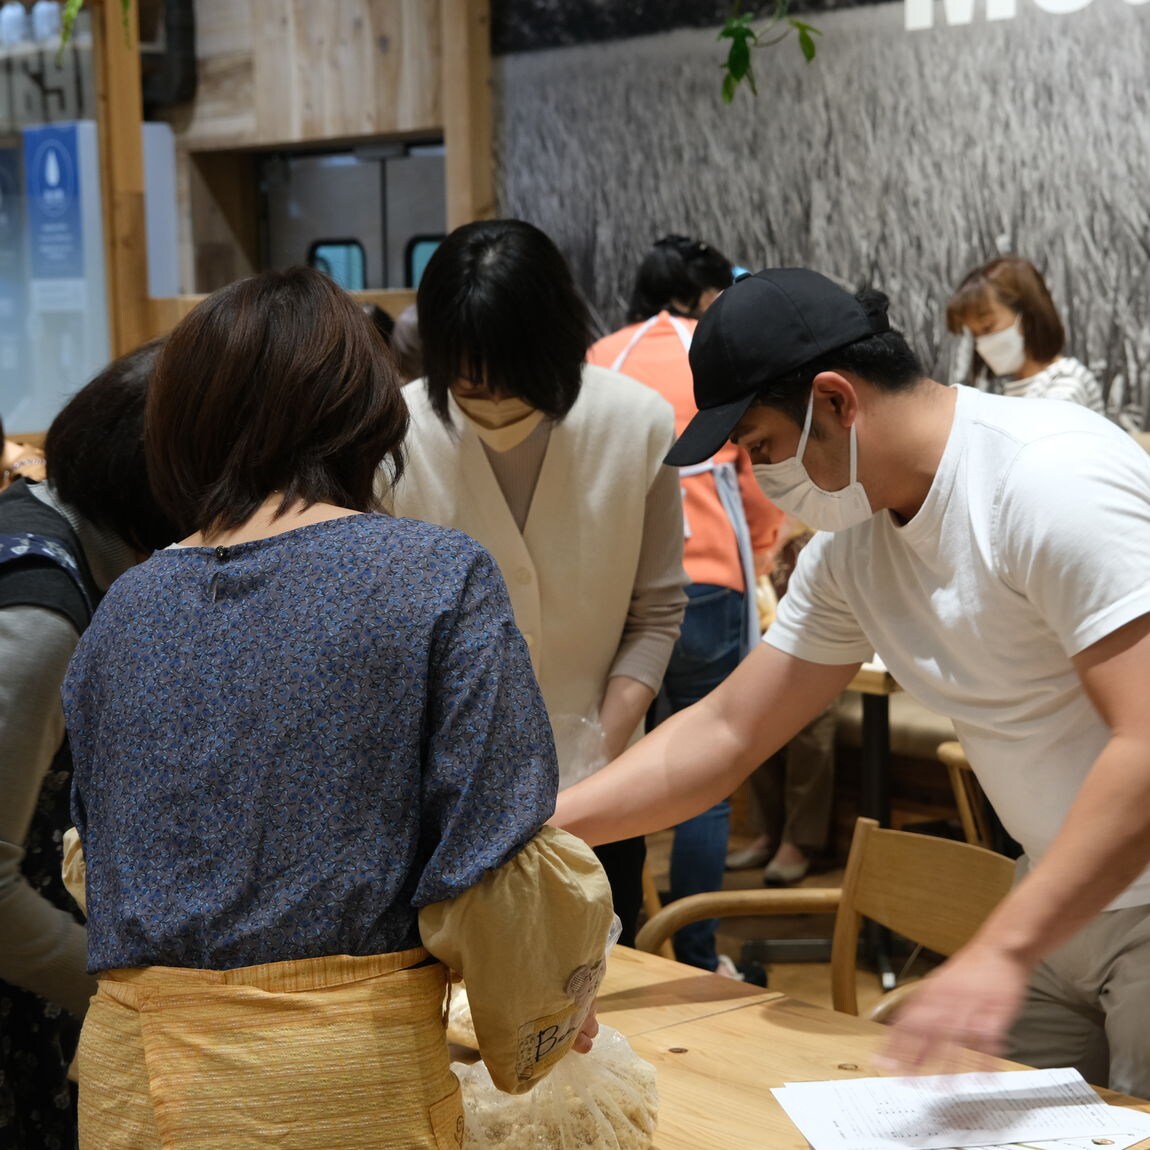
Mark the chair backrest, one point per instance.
(933, 891)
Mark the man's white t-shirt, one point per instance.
(1032, 544)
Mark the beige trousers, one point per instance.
(1088, 1005)
(794, 790)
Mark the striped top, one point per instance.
(1066, 378)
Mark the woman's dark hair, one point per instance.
(673, 276)
(1017, 284)
(96, 458)
(275, 384)
(497, 304)
(884, 360)
(381, 321)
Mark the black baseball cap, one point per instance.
(763, 326)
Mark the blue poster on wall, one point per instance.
(12, 291)
(55, 230)
(66, 288)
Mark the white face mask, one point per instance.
(1004, 351)
(788, 486)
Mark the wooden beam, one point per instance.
(467, 130)
(392, 300)
(116, 52)
(164, 314)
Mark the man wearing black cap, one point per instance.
(993, 552)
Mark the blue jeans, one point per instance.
(707, 652)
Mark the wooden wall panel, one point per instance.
(166, 313)
(467, 125)
(122, 179)
(295, 71)
(289, 73)
(416, 62)
(223, 193)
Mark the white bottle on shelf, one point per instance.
(15, 27)
(46, 20)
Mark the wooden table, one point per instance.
(719, 1046)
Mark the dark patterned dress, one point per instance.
(40, 565)
(38, 1038)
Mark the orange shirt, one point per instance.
(710, 552)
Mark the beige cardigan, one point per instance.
(572, 572)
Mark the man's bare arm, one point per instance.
(701, 754)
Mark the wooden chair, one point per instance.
(933, 891)
(968, 796)
(652, 904)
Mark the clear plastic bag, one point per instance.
(580, 746)
(606, 1099)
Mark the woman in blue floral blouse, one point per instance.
(309, 744)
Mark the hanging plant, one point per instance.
(744, 38)
(72, 10)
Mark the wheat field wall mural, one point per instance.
(897, 158)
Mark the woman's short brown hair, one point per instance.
(1017, 284)
(275, 384)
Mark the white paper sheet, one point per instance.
(940, 1112)
(1135, 1128)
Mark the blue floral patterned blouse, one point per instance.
(284, 748)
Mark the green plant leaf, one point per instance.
(739, 59)
(68, 22)
(737, 28)
(743, 38)
(807, 36)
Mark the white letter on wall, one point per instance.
(920, 13)
(1061, 7)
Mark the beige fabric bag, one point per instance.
(529, 941)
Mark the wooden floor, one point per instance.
(809, 981)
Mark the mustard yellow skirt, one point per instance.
(316, 1054)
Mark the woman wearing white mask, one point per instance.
(1018, 337)
(555, 467)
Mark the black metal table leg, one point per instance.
(874, 802)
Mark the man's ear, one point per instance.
(838, 393)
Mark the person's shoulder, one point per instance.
(417, 400)
(617, 393)
(1054, 452)
(605, 351)
(420, 544)
(1066, 366)
(1040, 424)
(397, 531)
